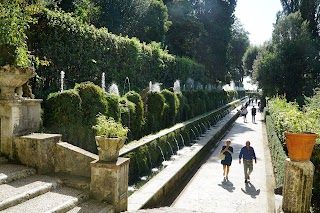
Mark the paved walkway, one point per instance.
(208, 191)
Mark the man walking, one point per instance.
(248, 155)
(253, 114)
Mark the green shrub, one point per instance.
(155, 107)
(113, 106)
(278, 152)
(184, 109)
(170, 112)
(93, 102)
(138, 119)
(128, 115)
(63, 115)
(84, 51)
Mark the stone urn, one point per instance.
(11, 81)
(300, 145)
(108, 148)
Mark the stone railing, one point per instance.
(47, 154)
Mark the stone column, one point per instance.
(109, 182)
(17, 117)
(297, 186)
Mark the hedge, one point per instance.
(84, 52)
(278, 154)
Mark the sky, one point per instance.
(258, 17)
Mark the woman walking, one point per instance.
(227, 150)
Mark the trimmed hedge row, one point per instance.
(84, 52)
(160, 110)
(278, 154)
(161, 146)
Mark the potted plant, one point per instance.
(110, 137)
(15, 60)
(300, 127)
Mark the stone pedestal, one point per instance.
(109, 182)
(17, 117)
(297, 186)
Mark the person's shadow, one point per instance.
(227, 185)
(251, 190)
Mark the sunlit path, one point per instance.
(208, 191)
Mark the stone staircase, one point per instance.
(22, 190)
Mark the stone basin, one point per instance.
(11, 80)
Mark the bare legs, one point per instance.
(226, 170)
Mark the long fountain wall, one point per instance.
(150, 151)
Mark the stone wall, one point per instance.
(36, 150)
(47, 153)
(73, 160)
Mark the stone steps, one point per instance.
(61, 199)
(21, 190)
(11, 172)
(18, 191)
(92, 206)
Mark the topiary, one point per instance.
(171, 111)
(93, 102)
(138, 120)
(63, 115)
(155, 107)
(113, 106)
(128, 115)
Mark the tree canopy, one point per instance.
(290, 64)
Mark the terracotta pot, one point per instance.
(108, 148)
(300, 145)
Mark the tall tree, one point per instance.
(292, 64)
(248, 58)
(309, 9)
(145, 19)
(186, 31)
(237, 47)
(217, 18)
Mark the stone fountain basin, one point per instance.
(11, 76)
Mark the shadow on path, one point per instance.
(227, 185)
(251, 190)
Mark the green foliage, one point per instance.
(248, 58)
(155, 108)
(202, 31)
(83, 52)
(170, 113)
(278, 153)
(113, 106)
(291, 57)
(184, 109)
(238, 45)
(144, 19)
(15, 17)
(109, 128)
(287, 117)
(63, 115)
(93, 102)
(128, 115)
(138, 117)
